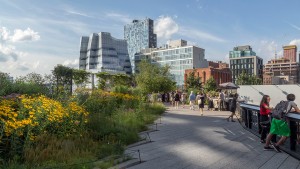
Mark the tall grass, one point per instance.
(114, 122)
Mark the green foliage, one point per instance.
(5, 84)
(30, 84)
(107, 80)
(247, 79)
(62, 76)
(195, 91)
(153, 78)
(122, 89)
(210, 85)
(80, 77)
(193, 81)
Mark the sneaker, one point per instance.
(232, 121)
(262, 141)
(268, 148)
(276, 148)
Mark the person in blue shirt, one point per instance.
(192, 100)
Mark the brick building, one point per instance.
(218, 70)
(290, 52)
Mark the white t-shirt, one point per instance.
(291, 105)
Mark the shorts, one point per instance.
(280, 127)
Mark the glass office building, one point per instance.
(243, 58)
(100, 52)
(139, 35)
(178, 58)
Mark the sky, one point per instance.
(37, 35)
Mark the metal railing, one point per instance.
(250, 119)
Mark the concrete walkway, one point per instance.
(187, 140)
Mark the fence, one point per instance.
(251, 121)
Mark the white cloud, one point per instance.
(18, 35)
(119, 17)
(78, 13)
(8, 53)
(71, 63)
(197, 34)
(295, 42)
(4, 34)
(266, 50)
(26, 35)
(165, 27)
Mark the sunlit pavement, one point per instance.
(185, 139)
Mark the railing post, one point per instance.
(293, 137)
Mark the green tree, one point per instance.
(5, 84)
(192, 81)
(32, 78)
(210, 85)
(247, 79)
(104, 80)
(63, 79)
(80, 77)
(153, 78)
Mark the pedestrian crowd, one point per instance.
(272, 120)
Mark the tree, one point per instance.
(80, 77)
(193, 81)
(32, 78)
(104, 79)
(153, 78)
(247, 79)
(63, 76)
(5, 84)
(210, 85)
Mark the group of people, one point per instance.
(275, 125)
(201, 97)
(270, 125)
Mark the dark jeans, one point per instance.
(265, 126)
(221, 105)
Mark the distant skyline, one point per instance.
(37, 35)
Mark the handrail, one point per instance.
(250, 117)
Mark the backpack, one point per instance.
(280, 110)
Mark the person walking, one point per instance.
(177, 99)
(264, 112)
(221, 101)
(279, 126)
(200, 99)
(232, 107)
(183, 99)
(192, 98)
(210, 102)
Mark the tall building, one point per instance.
(281, 71)
(179, 58)
(139, 35)
(100, 52)
(243, 58)
(290, 52)
(217, 70)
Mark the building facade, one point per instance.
(179, 58)
(290, 53)
(243, 58)
(281, 71)
(139, 35)
(100, 52)
(217, 70)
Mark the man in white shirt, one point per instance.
(221, 101)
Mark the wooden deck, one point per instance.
(187, 140)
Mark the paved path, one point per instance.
(187, 140)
